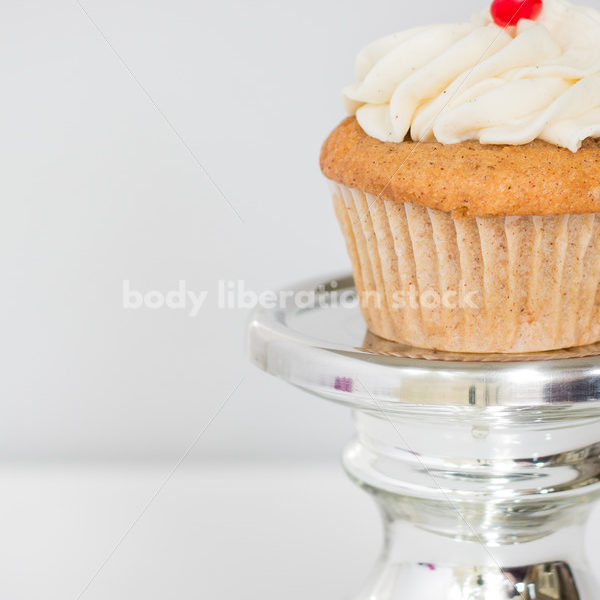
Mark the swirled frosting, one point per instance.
(478, 81)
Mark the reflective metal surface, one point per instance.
(325, 349)
(484, 467)
(478, 512)
(545, 581)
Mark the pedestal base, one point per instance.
(404, 581)
(472, 510)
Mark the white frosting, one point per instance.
(478, 81)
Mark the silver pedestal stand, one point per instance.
(484, 467)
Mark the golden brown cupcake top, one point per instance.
(468, 178)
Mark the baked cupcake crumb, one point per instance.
(467, 179)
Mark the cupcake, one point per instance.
(466, 181)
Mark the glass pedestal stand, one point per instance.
(484, 467)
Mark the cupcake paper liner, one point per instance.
(485, 284)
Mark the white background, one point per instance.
(96, 187)
(105, 120)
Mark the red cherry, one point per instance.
(510, 12)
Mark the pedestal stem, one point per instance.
(472, 510)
